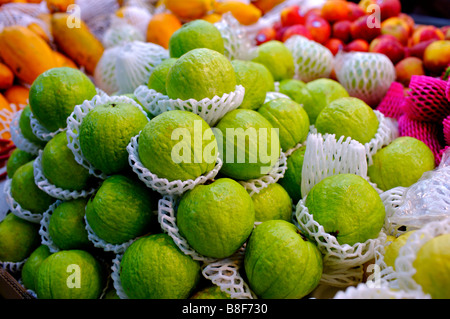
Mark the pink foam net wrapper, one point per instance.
(427, 100)
(447, 90)
(392, 103)
(426, 132)
(446, 128)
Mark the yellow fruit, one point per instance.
(246, 14)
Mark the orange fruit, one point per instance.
(161, 27)
(17, 94)
(6, 77)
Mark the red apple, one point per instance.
(409, 21)
(436, 57)
(355, 11)
(359, 45)
(418, 49)
(279, 30)
(408, 67)
(312, 13)
(291, 15)
(425, 33)
(298, 29)
(389, 46)
(446, 31)
(319, 28)
(334, 45)
(342, 30)
(389, 8)
(366, 28)
(265, 35)
(396, 27)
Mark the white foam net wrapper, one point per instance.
(12, 267)
(122, 68)
(211, 110)
(237, 42)
(41, 132)
(137, 16)
(275, 95)
(115, 276)
(254, 186)
(225, 274)
(57, 192)
(336, 256)
(15, 207)
(102, 244)
(312, 60)
(167, 220)
(97, 14)
(222, 272)
(105, 70)
(365, 75)
(120, 33)
(75, 120)
(18, 139)
(425, 201)
(366, 291)
(163, 185)
(135, 62)
(386, 133)
(22, 14)
(326, 156)
(149, 99)
(46, 239)
(408, 253)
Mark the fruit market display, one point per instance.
(219, 149)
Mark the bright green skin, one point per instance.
(432, 266)
(401, 163)
(349, 117)
(153, 267)
(106, 132)
(323, 91)
(26, 193)
(156, 146)
(290, 118)
(257, 81)
(246, 168)
(277, 58)
(292, 180)
(193, 35)
(158, 77)
(56, 92)
(212, 292)
(54, 275)
(31, 266)
(25, 127)
(60, 168)
(67, 227)
(200, 73)
(273, 202)
(121, 210)
(280, 263)
(297, 91)
(347, 207)
(18, 238)
(216, 219)
(17, 159)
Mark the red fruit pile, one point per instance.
(368, 26)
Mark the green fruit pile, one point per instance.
(218, 219)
